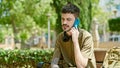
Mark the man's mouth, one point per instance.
(66, 28)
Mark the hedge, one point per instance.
(23, 58)
(114, 24)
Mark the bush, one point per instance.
(23, 58)
(114, 24)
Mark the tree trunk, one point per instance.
(14, 28)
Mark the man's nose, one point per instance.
(64, 22)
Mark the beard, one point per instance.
(66, 27)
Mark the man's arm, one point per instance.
(56, 55)
(81, 61)
(54, 63)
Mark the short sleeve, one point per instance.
(87, 49)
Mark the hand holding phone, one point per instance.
(76, 23)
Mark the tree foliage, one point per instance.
(26, 15)
(98, 12)
(5, 6)
(114, 24)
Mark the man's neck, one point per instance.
(69, 33)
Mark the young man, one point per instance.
(73, 44)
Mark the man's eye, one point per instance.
(62, 19)
(69, 19)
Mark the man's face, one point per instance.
(67, 20)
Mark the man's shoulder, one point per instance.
(84, 32)
(60, 35)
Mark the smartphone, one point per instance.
(76, 23)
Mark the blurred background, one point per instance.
(35, 24)
(26, 24)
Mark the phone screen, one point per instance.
(76, 23)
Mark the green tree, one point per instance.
(26, 15)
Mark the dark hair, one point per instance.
(71, 8)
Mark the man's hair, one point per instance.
(71, 8)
